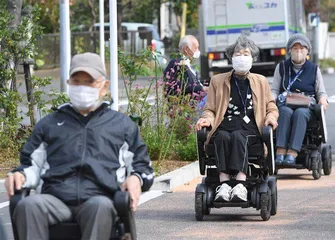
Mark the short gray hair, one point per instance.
(242, 43)
(185, 41)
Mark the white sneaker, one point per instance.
(239, 193)
(223, 193)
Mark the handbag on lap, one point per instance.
(297, 100)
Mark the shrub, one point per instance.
(327, 63)
(187, 149)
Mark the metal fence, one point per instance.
(49, 46)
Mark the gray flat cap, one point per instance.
(299, 38)
(90, 63)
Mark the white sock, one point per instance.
(241, 176)
(224, 177)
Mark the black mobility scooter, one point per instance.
(261, 186)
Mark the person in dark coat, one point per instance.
(180, 75)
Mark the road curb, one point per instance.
(178, 177)
(2, 186)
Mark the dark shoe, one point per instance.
(289, 160)
(279, 159)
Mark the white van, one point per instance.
(134, 37)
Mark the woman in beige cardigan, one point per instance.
(239, 104)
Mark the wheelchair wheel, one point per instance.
(266, 205)
(316, 167)
(274, 197)
(327, 159)
(132, 227)
(199, 202)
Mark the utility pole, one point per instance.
(183, 24)
(316, 35)
(65, 43)
(114, 83)
(287, 31)
(102, 30)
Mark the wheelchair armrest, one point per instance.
(267, 134)
(317, 111)
(267, 137)
(122, 202)
(18, 196)
(202, 134)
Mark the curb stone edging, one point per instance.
(169, 181)
(2, 186)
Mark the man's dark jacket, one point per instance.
(80, 157)
(182, 77)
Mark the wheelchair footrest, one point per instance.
(231, 204)
(293, 166)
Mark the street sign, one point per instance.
(313, 19)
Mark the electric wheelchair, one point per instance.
(262, 188)
(315, 154)
(124, 227)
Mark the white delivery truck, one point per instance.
(269, 23)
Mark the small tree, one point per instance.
(18, 45)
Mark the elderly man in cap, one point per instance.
(77, 157)
(295, 75)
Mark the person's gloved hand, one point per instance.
(133, 186)
(14, 181)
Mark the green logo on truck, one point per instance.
(261, 5)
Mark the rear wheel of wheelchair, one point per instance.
(266, 205)
(316, 167)
(327, 159)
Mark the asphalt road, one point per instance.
(306, 208)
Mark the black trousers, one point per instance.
(231, 150)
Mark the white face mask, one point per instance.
(196, 54)
(84, 97)
(242, 64)
(299, 57)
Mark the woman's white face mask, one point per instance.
(85, 97)
(242, 64)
